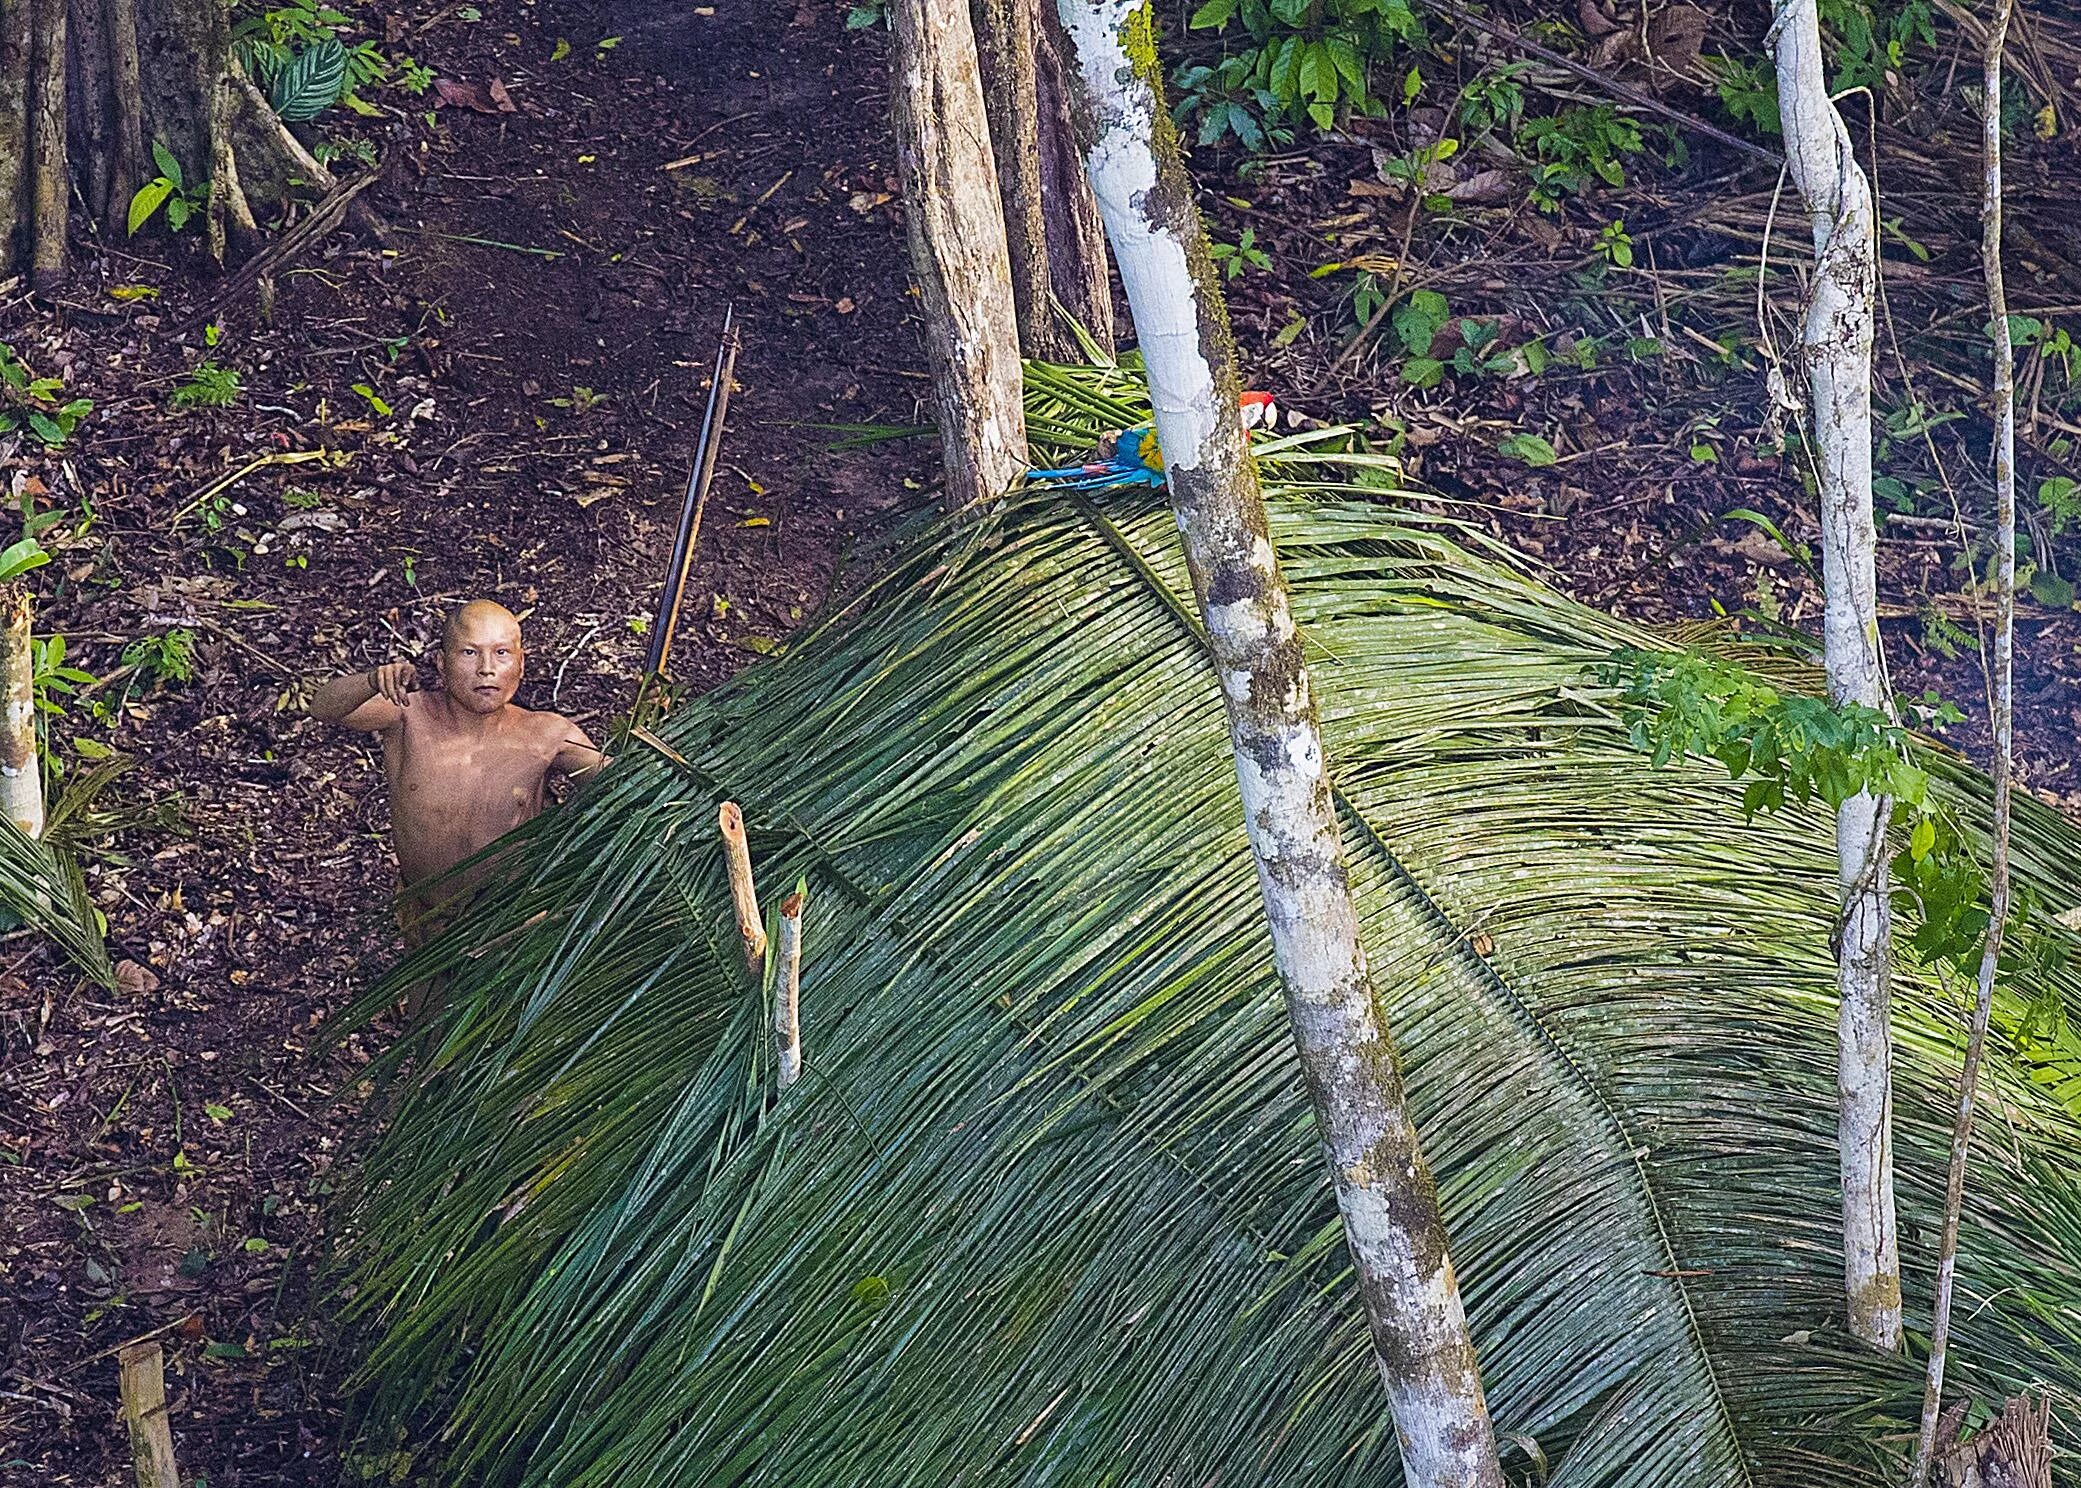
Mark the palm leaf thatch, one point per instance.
(41, 885)
(1045, 1207)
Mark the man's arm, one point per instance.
(575, 754)
(374, 699)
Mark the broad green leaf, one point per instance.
(19, 557)
(148, 200)
(1213, 15)
(169, 166)
(312, 82)
(1530, 448)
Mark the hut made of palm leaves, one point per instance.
(1046, 1207)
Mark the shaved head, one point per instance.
(480, 660)
(475, 617)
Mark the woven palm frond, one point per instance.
(1046, 1206)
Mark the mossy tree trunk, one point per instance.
(1392, 1228)
(21, 778)
(87, 87)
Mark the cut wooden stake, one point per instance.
(21, 782)
(143, 1367)
(737, 855)
(787, 992)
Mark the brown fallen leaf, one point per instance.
(1484, 187)
(486, 98)
(1677, 36)
(133, 980)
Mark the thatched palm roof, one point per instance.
(1047, 1207)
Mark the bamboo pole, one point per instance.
(21, 781)
(143, 1374)
(787, 992)
(2003, 711)
(737, 858)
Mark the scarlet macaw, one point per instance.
(1132, 457)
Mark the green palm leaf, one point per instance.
(42, 888)
(1046, 1207)
(310, 82)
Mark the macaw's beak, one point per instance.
(1259, 411)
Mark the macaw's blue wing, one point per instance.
(1136, 461)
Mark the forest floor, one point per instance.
(508, 398)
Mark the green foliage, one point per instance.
(20, 556)
(297, 54)
(51, 679)
(208, 386)
(1868, 40)
(168, 189)
(1494, 101)
(1295, 61)
(27, 400)
(1748, 91)
(1790, 748)
(311, 82)
(1047, 1207)
(1569, 150)
(168, 657)
(2059, 497)
(1233, 258)
(1614, 244)
(1531, 449)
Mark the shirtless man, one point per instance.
(465, 765)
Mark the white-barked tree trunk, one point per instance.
(1388, 1200)
(21, 779)
(1837, 344)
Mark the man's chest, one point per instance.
(433, 769)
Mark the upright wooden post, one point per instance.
(737, 858)
(787, 991)
(143, 1376)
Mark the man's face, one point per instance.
(481, 664)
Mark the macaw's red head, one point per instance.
(1260, 412)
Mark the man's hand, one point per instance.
(393, 681)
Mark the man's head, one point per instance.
(480, 660)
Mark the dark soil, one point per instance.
(165, 1153)
(507, 398)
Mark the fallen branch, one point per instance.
(330, 211)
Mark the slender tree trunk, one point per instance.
(1005, 45)
(1838, 344)
(1079, 268)
(21, 779)
(88, 93)
(1389, 1203)
(958, 248)
(16, 52)
(47, 254)
(126, 87)
(2003, 720)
